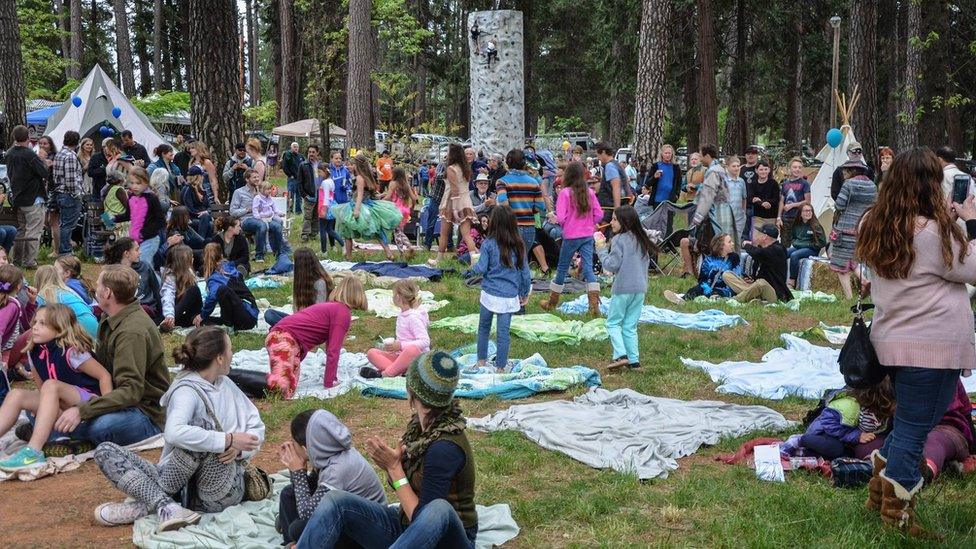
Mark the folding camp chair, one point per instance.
(658, 227)
(94, 232)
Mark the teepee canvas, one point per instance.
(832, 158)
(99, 96)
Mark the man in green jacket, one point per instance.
(128, 346)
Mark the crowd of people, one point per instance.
(175, 220)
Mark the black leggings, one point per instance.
(233, 313)
(188, 306)
(288, 524)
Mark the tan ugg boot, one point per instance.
(874, 485)
(898, 508)
(593, 298)
(550, 302)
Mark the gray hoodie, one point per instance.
(340, 466)
(189, 426)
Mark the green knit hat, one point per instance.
(432, 377)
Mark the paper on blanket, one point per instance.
(798, 369)
(9, 444)
(769, 467)
(628, 431)
(708, 320)
(312, 371)
(528, 377)
(251, 525)
(544, 328)
(381, 302)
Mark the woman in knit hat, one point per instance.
(432, 473)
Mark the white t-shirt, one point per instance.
(327, 196)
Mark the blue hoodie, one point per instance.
(225, 274)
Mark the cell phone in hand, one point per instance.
(960, 188)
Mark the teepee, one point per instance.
(832, 158)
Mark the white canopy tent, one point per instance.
(307, 128)
(99, 96)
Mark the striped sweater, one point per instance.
(523, 194)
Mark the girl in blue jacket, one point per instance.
(225, 286)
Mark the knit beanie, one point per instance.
(432, 377)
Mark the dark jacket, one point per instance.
(765, 192)
(771, 264)
(306, 181)
(192, 202)
(138, 152)
(654, 181)
(290, 162)
(96, 171)
(148, 292)
(240, 253)
(837, 180)
(27, 174)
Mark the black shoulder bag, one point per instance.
(858, 360)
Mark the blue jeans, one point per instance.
(70, 213)
(569, 248)
(148, 249)
(622, 318)
(344, 519)
(260, 230)
(8, 234)
(203, 225)
(922, 396)
(502, 336)
(528, 236)
(124, 427)
(274, 316)
(296, 197)
(796, 254)
(328, 234)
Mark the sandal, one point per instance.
(618, 364)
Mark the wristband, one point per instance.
(400, 483)
(231, 443)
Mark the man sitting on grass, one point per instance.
(770, 259)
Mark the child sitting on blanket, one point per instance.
(851, 417)
(62, 366)
(722, 259)
(411, 340)
(15, 317)
(321, 439)
(312, 285)
(225, 286)
(291, 339)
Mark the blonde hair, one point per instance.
(350, 292)
(409, 292)
(796, 159)
(48, 283)
(68, 333)
(660, 152)
(203, 150)
(732, 158)
(255, 145)
(264, 185)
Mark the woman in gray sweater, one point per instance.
(856, 195)
(629, 258)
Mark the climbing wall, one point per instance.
(497, 81)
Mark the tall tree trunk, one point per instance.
(907, 135)
(11, 73)
(358, 104)
(75, 68)
(141, 27)
(737, 122)
(289, 63)
(619, 103)
(707, 102)
(861, 72)
(794, 102)
(253, 73)
(650, 101)
(61, 13)
(272, 35)
(689, 84)
(158, 41)
(123, 50)
(215, 100)
(182, 37)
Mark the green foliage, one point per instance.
(162, 103)
(261, 116)
(66, 90)
(39, 42)
(398, 29)
(568, 124)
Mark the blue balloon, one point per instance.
(106, 131)
(834, 137)
(76, 101)
(116, 112)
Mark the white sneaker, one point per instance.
(119, 513)
(173, 517)
(673, 297)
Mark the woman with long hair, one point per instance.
(47, 150)
(885, 156)
(456, 207)
(86, 149)
(194, 198)
(181, 297)
(179, 225)
(204, 158)
(312, 285)
(233, 243)
(856, 195)
(807, 241)
(922, 330)
(165, 153)
(258, 164)
(401, 193)
(366, 216)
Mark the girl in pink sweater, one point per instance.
(411, 340)
(296, 335)
(578, 211)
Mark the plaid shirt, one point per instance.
(67, 172)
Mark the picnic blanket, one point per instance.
(381, 302)
(264, 281)
(9, 444)
(399, 270)
(312, 371)
(544, 328)
(528, 377)
(831, 334)
(799, 369)
(251, 525)
(709, 320)
(799, 297)
(628, 431)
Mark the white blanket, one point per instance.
(630, 432)
(312, 372)
(381, 302)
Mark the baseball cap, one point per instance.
(769, 230)
(752, 149)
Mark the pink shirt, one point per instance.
(411, 329)
(574, 224)
(321, 323)
(138, 208)
(925, 320)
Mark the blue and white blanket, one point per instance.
(709, 320)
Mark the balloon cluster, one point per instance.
(106, 131)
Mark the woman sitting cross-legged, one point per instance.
(212, 429)
(432, 471)
(710, 282)
(808, 239)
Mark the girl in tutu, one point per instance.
(455, 207)
(366, 216)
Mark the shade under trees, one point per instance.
(650, 101)
(11, 71)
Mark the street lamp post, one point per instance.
(835, 70)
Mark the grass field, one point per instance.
(560, 502)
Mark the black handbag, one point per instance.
(858, 361)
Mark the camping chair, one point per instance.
(658, 226)
(94, 232)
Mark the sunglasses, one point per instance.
(855, 151)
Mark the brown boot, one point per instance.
(898, 508)
(550, 303)
(874, 485)
(593, 298)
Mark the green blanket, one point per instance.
(544, 328)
